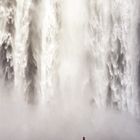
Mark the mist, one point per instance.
(19, 120)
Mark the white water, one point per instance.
(63, 59)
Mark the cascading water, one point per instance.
(113, 33)
(70, 57)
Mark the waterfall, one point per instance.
(73, 57)
(49, 46)
(86, 50)
(113, 33)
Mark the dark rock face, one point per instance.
(6, 60)
(33, 45)
(6, 46)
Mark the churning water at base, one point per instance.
(68, 69)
